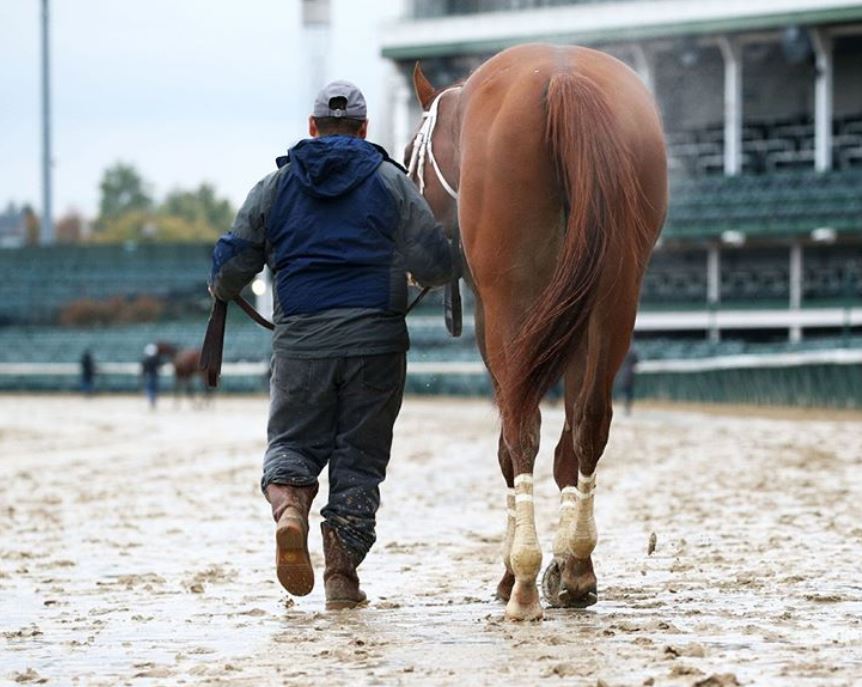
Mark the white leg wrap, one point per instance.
(565, 527)
(526, 555)
(576, 534)
(510, 529)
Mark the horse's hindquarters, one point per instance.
(563, 191)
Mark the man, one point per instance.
(88, 373)
(339, 225)
(150, 365)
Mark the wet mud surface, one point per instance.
(136, 549)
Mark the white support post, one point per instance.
(47, 230)
(263, 301)
(795, 288)
(401, 95)
(315, 37)
(713, 288)
(823, 100)
(732, 54)
(644, 65)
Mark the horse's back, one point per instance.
(514, 83)
(506, 98)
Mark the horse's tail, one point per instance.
(601, 193)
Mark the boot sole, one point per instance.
(292, 562)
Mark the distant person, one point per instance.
(341, 225)
(88, 373)
(627, 379)
(150, 372)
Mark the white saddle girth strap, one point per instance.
(423, 148)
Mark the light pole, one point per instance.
(47, 233)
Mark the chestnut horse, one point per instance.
(551, 162)
(186, 364)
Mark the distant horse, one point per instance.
(186, 364)
(551, 162)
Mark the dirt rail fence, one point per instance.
(830, 378)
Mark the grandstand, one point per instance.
(754, 292)
(42, 280)
(762, 248)
(38, 354)
(763, 115)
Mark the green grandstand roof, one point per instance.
(625, 33)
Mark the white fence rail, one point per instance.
(843, 356)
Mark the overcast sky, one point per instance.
(186, 90)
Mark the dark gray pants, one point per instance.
(338, 411)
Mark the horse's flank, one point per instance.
(185, 361)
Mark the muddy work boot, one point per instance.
(340, 578)
(290, 506)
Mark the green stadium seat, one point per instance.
(785, 204)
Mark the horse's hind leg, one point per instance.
(576, 535)
(504, 586)
(576, 531)
(525, 555)
(519, 444)
(588, 419)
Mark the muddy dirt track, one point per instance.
(135, 549)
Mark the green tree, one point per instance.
(123, 191)
(200, 206)
(128, 213)
(134, 225)
(145, 227)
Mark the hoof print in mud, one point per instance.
(556, 596)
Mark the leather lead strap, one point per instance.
(249, 310)
(418, 299)
(213, 346)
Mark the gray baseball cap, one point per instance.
(354, 109)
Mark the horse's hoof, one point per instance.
(559, 595)
(519, 613)
(524, 604)
(585, 600)
(551, 584)
(504, 587)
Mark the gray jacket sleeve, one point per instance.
(241, 253)
(425, 251)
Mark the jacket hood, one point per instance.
(330, 166)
